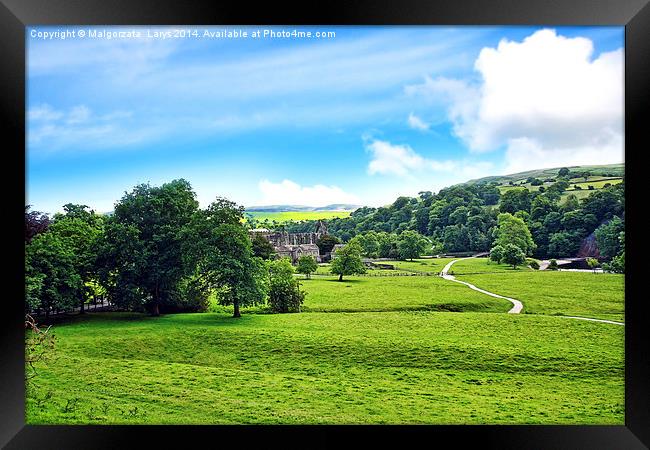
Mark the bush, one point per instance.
(190, 295)
(513, 256)
(533, 264)
(284, 290)
(496, 253)
(552, 265)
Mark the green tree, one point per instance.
(552, 264)
(231, 267)
(51, 279)
(82, 229)
(348, 261)
(326, 243)
(563, 172)
(143, 251)
(496, 253)
(411, 244)
(515, 200)
(607, 237)
(284, 290)
(306, 265)
(261, 247)
(513, 230)
(513, 255)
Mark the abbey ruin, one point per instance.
(294, 245)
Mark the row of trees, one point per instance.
(158, 251)
(464, 218)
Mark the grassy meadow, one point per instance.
(408, 349)
(332, 368)
(585, 294)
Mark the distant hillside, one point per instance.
(302, 208)
(609, 170)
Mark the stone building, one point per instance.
(294, 245)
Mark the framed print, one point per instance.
(363, 220)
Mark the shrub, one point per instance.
(284, 290)
(496, 253)
(533, 264)
(552, 265)
(513, 256)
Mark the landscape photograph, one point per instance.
(325, 225)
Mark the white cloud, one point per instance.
(78, 114)
(546, 99)
(51, 129)
(402, 160)
(416, 123)
(288, 192)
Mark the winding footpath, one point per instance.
(517, 306)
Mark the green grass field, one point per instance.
(584, 294)
(344, 368)
(395, 293)
(408, 349)
(296, 216)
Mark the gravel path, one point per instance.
(517, 305)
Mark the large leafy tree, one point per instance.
(306, 265)
(82, 230)
(348, 261)
(411, 244)
(51, 278)
(229, 266)
(513, 230)
(513, 255)
(143, 249)
(219, 244)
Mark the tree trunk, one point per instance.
(81, 309)
(341, 277)
(236, 307)
(155, 311)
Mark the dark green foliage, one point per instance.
(563, 172)
(515, 200)
(51, 279)
(284, 290)
(229, 265)
(552, 265)
(411, 244)
(326, 243)
(608, 238)
(261, 247)
(143, 250)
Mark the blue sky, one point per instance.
(362, 117)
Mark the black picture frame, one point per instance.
(15, 15)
